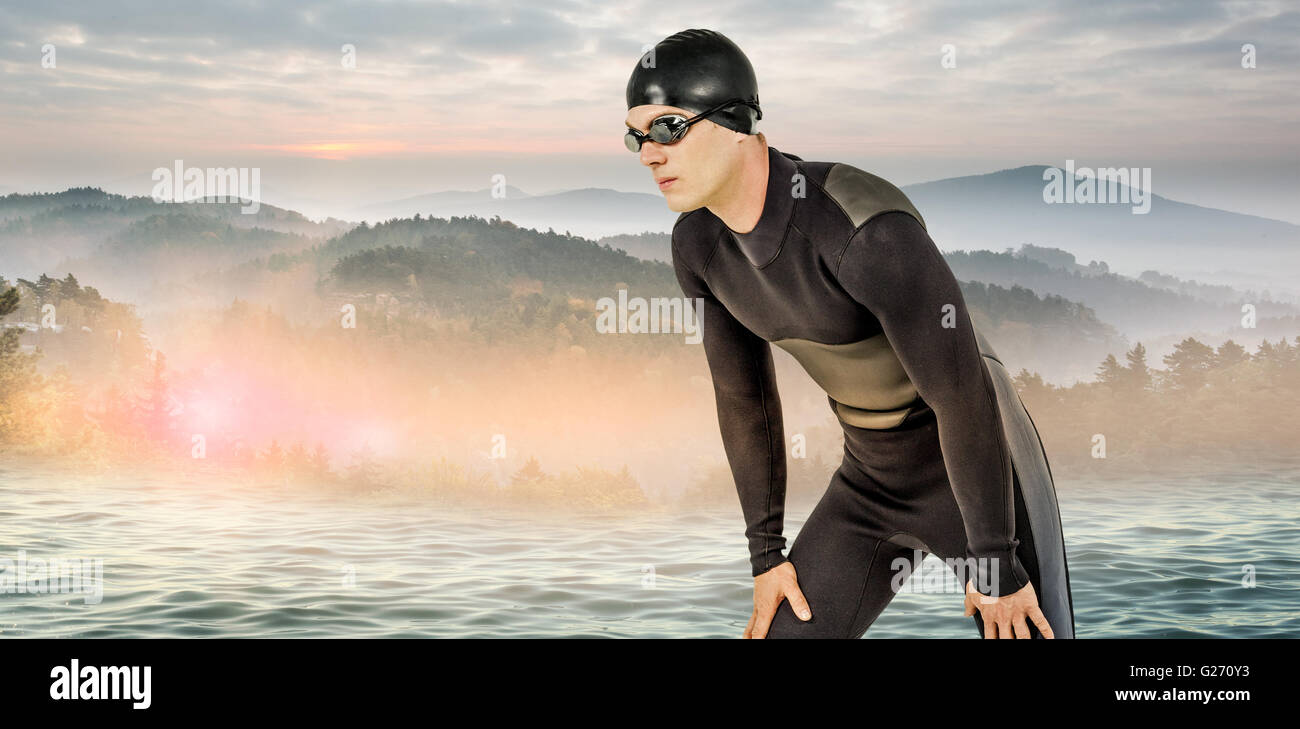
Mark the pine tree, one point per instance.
(69, 288)
(1264, 353)
(1229, 354)
(296, 459)
(1189, 363)
(320, 461)
(1138, 376)
(14, 366)
(45, 288)
(1110, 372)
(530, 473)
(274, 458)
(1284, 354)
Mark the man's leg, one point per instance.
(845, 570)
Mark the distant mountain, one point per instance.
(1006, 209)
(589, 212)
(437, 204)
(995, 211)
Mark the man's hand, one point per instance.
(1001, 614)
(770, 588)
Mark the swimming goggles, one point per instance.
(670, 128)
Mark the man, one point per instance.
(834, 265)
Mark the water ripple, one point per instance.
(1187, 558)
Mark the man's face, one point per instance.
(702, 162)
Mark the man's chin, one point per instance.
(679, 204)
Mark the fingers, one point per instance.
(1000, 626)
(798, 603)
(763, 621)
(1036, 615)
(749, 628)
(1022, 628)
(1004, 630)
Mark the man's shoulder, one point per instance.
(694, 236)
(861, 195)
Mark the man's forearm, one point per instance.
(894, 269)
(753, 437)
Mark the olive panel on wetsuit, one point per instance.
(848, 282)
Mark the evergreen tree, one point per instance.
(1030, 384)
(1264, 353)
(45, 288)
(18, 377)
(1138, 376)
(1189, 363)
(69, 288)
(1110, 372)
(320, 461)
(296, 459)
(10, 360)
(274, 458)
(531, 472)
(1284, 354)
(8, 300)
(1229, 354)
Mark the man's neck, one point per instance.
(743, 207)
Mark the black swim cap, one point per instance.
(696, 70)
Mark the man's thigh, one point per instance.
(846, 570)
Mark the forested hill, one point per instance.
(15, 205)
(163, 248)
(1136, 308)
(467, 252)
(41, 231)
(167, 258)
(470, 266)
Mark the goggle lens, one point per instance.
(666, 129)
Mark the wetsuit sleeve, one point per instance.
(893, 268)
(749, 416)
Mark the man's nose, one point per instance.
(651, 153)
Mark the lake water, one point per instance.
(1155, 559)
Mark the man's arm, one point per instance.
(893, 268)
(749, 416)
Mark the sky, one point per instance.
(445, 95)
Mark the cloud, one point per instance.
(149, 79)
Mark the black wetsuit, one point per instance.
(840, 272)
